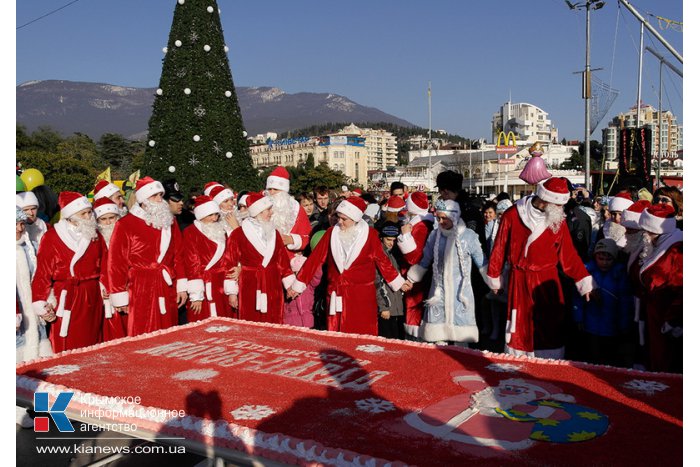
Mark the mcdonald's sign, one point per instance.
(510, 146)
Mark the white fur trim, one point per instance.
(407, 243)
(223, 196)
(266, 250)
(165, 236)
(412, 330)
(341, 261)
(657, 225)
(26, 199)
(181, 285)
(230, 287)
(619, 204)
(630, 219)
(662, 245)
(207, 190)
(350, 210)
(78, 248)
(259, 206)
(220, 247)
(119, 298)
(39, 307)
(550, 196)
(434, 332)
(106, 192)
(288, 281)
(298, 286)
(416, 273)
(397, 283)
(493, 283)
(296, 243)
(585, 285)
(278, 183)
(75, 206)
(149, 190)
(195, 289)
(110, 208)
(414, 209)
(206, 209)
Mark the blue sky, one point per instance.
(378, 53)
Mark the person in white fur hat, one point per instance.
(352, 252)
(657, 272)
(265, 270)
(146, 273)
(107, 213)
(613, 227)
(289, 219)
(35, 226)
(69, 265)
(204, 247)
(534, 239)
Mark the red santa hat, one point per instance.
(620, 202)
(417, 203)
(658, 219)
(210, 186)
(104, 189)
(220, 194)
(352, 207)
(147, 187)
(204, 206)
(630, 216)
(257, 203)
(395, 204)
(278, 179)
(71, 203)
(555, 190)
(242, 200)
(356, 192)
(26, 199)
(105, 206)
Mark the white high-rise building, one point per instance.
(528, 123)
(381, 146)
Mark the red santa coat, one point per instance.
(352, 301)
(206, 273)
(145, 272)
(72, 269)
(659, 280)
(300, 231)
(535, 298)
(265, 274)
(411, 246)
(113, 323)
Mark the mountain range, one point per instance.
(98, 108)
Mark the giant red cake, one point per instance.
(309, 397)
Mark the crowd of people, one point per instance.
(555, 274)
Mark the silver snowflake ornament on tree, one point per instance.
(193, 160)
(252, 412)
(373, 405)
(194, 36)
(216, 148)
(199, 111)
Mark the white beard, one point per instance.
(613, 231)
(214, 231)
(240, 215)
(106, 231)
(123, 211)
(647, 246)
(158, 215)
(267, 229)
(348, 236)
(283, 212)
(446, 232)
(634, 242)
(554, 216)
(84, 228)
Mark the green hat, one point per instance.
(316, 238)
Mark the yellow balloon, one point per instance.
(32, 178)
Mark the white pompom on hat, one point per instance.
(104, 189)
(71, 203)
(554, 190)
(105, 206)
(353, 207)
(147, 187)
(278, 179)
(658, 218)
(204, 206)
(417, 203)
(257, 203)
(26, 199)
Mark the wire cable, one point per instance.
(47, 14)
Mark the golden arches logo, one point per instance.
(508, 139)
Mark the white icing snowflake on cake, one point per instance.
(370, 348)
(645, 386)
(503, 367)
(218, 328)
(252, 412)
(60, 370)
(196, 375)
(373, 405)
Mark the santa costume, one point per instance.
(411, 245)
(351, 258)
(535, 324)
(220, 194)
(287, 215)
(114, 323)
(145, 264)
(265, 269)
(657, 275)
(204, 246)
(616, 230)
(68, 264)
(38, 228)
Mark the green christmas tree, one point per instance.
(196, 132)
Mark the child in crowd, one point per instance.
(389, 303)
(606, 319)
(299, 311)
